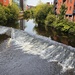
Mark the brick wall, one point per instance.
(4, 2)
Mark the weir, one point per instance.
(60, 57)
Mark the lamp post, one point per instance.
(23, 4)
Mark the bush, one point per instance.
(41, 12)
(9, 14)
(3, 18)
(14, 13)
(27, 14)
(50, 19)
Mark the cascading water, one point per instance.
(60, 56)
(7, 31)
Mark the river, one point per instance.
(31, 28)
(17, 54)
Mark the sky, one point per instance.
(35, 2)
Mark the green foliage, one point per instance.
(32, 11)
(61, 25)
(72, 30)
(72, 27)
(14, 13)
(41, 13)
(3, 18)
(50, 19)
(44, 16)
(27, 14)
(62, 11)
(8, 14)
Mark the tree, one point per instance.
(50, 19)
(62, 11)
(14, 13)
(41, 12)
(27, 14)
(3, 18)
(9, 14)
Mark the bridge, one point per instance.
(26, 54)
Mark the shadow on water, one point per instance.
(32, 28)
(56, 35)
(3, 37)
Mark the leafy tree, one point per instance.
(8, 14)
(27, 14)
(62, 11)
(44, 16)
(14, 13)
(50, 19)
(3, 18)
(32, 11)
(41, 13)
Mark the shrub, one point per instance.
(27, 14)
(50, 19)
(3, 18)
(14, 13)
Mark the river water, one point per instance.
(32, 28)
(61, 58)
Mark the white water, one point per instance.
(59, 55)
(3, 30)
(47, 49)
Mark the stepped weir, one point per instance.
(26, 54)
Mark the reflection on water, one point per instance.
(54, 35)
(22, 24)
(32, 28)
(57, 36)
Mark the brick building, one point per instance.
(70, 4)
(6, 2)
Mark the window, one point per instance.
(4, 0)
(64, 1)
(67, 1)
(70, 1)
(70, 7)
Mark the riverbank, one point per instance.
(44, 16)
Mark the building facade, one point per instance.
(4, 2)
(70, 4)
